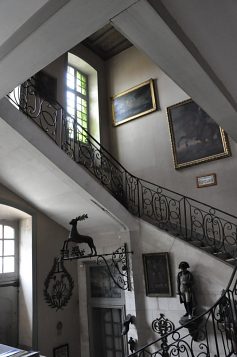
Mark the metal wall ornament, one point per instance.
(58, 286)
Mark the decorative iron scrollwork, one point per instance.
(182, 216)
(58, 286)
(117, 263)
(162, 325)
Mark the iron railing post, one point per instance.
(138, 197)
(185, 219)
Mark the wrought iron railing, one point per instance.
(200, 224)
(213, 333)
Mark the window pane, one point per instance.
(9, 247)
(8, 232)
(1, 252)
(0, 265)
(1, 231)
(8, 265)
(70, 100)
(70, 81)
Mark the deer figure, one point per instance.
(75, 236)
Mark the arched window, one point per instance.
(8, 251)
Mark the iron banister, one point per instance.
(181, 215)
(199, 317)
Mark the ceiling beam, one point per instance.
(148, 31)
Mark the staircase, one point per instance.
(213, 333)
(205, 227)
(198, 224)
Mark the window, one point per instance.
(77, 104)
(8, 266)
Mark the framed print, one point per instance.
(101, 283)
(46, 86)
(61, 351)
(207, 180)
(133, 103)
(157, 274)
(195, 136)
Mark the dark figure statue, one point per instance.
(185, 288)
(129, 320)
(76, 237)
(132, 344)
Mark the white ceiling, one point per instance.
(193, 41)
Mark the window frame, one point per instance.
(13, 276)
(74, 135)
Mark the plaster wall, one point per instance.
(143, 145)
(26, 283)
(47, 239)
(210, 276)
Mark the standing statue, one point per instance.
(185, 289)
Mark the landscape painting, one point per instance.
(195, 136)
(133, 103)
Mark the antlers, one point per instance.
(81, 218)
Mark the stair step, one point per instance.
(231, 261)
(222, 255)
(197, 243)
(208, 249)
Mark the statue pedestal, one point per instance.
(195, 327)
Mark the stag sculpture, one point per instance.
(76, 237)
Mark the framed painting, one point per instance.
(206, 181)
(61, 351)
(46, 86)
(157, 274)
(195, 136)
(134, 103)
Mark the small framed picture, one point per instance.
(157, 274)
(207, 180)
(61, 351)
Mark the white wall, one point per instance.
(210, 277)
(26, 283)
(47, 240)
(143, 145)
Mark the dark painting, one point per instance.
(157, 274)
(195, 136)
(102, 285)
(133, 103)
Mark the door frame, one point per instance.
(109, 303)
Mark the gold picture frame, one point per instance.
(134, 103)
(195, 136)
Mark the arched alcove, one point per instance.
(16, 281)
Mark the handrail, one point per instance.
(178, 214)
(182, 216)
(219, 320)
(197, 318)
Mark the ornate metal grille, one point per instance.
(199, 224)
